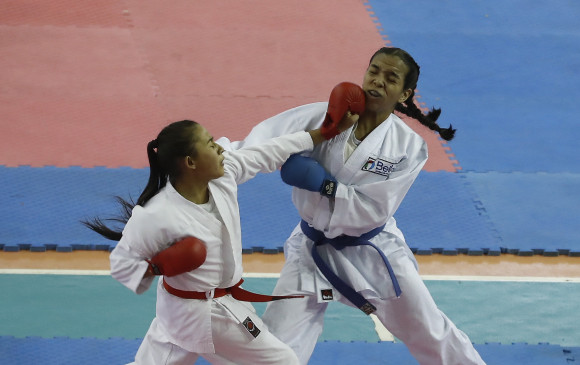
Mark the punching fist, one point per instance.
(306, 173)
(181, 257)
(345, 97)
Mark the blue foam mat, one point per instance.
(43, 208)
(503, 73)
(533, 213)
(441, 214)
(93, 351)
(448, 213)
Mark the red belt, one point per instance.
(236, 291)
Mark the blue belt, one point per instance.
(339, 243)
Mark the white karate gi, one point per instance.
(213, 328)
(372, 183)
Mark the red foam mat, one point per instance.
(90, 83)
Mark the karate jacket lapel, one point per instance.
(369, 146)
(227, 205)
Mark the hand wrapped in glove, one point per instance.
(183, 256)
(345, 97)
(306, 173)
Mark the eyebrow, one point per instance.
(389, 72)
(395, 74)
(210, 140)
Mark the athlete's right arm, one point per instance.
(143, 237)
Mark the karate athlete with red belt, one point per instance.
(186, 227)
(347, 247)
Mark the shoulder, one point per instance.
(405, 132)
(155, 225)
(157, 210)
(311, 107)
(404, 141)
(306, 111)
(402, 126)
(145, 219)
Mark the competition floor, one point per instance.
(492, 219)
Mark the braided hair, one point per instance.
(408, 107)
(173, 142)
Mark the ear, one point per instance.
(189, 162)
(405, 95)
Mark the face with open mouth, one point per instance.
(383, 83)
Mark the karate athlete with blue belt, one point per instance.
(347, 247)
(185, 228)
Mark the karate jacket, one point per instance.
(169, 217)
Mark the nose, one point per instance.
(377, 81)
(220, 149)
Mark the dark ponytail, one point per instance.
(409, 108)
(157, 176)
(429, 120)
(174, 141)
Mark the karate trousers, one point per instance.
(413, 318)
(231, 342)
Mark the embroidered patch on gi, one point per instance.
(251, 327)
(379, 166)
(326, 294)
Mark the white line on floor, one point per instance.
(382, 332)
(533, 279)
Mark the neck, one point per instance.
(368, 122)
(194, 191)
